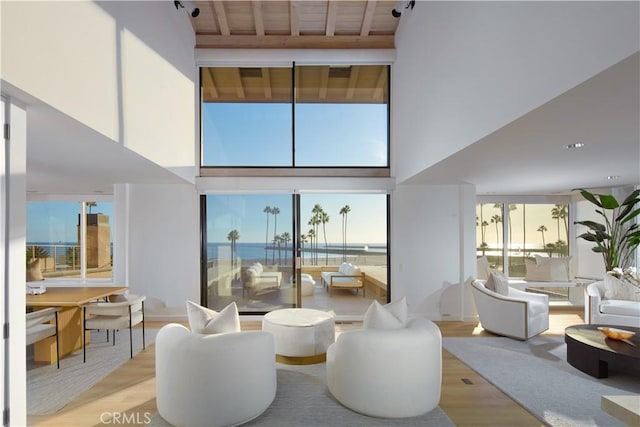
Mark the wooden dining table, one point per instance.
(70, 299)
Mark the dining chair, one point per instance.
(115, 316)
(39, 327)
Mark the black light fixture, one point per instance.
(397, 11)
(193, 11)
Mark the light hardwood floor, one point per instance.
(129, 392)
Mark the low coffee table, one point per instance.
(301, 335)
(594, 354)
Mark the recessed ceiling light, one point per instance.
(613, 177)
(575, 145)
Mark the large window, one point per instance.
(339, 116)
(54, 238)
(520, 231)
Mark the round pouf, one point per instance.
(301, 335)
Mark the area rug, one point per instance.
(536, 375)
(50, 389)
(303, 400)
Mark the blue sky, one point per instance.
(366, 223)
(259, 134)
(57, 222)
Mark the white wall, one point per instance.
(13, 191)
(125, 69)
(158, 237)
(433, 249)
(465, 69)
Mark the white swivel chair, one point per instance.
(223, 379)
(39, 327)
(114, 316)
(519, 314)
(388, 373)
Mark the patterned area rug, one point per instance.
(50, 389)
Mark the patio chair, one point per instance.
(39, 327)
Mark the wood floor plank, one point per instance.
(129, 391)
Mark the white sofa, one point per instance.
(348, 276)
(213, 380)
(519, 314)
(258, 279)
(598, 310)
(388, 373)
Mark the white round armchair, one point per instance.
(389, 373)
(214, 380)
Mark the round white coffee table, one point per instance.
(301, 335)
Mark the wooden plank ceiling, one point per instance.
(295, 24)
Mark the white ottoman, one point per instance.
(308, 284)
(301, 335)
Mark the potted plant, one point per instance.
(618, 236)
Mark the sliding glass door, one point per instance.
(271, 251)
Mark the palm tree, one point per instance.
(555, 214)
(324, 219)
(497, 219)
(275, 211)
(559, 212)
(484, 245)
(90, 205)
(315, 221)
(344, 211)
(267, 210)
(303, 240)
(542, 229)
(233, 236)
(312, 235)
(276, 242)
(285, 238)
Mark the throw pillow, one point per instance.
(203, 320)
(117, 298)
(482, 268)
(498, 283)
(537, 272)
(619, 289)
(34, 270)
(390, 316)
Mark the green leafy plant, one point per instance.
(618, 236)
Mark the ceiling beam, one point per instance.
(237, 82)
(353, 81)
(324, 82)
(294, 19)
(332, 9)
(258, 19)
(209, 83)
(214, 41)
(218, 6)
(266, 81)
(368, 18)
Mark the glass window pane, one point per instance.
(246, 116)
(341, 116)
(243, 230)
(489, 233)
(53, 235)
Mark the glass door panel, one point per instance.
(249, 252)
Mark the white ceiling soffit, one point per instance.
(66, 157)
(528, 155)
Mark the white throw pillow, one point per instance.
(619, 289)
(203, 320)
(498, 283)
(482, 268)
(390, 316)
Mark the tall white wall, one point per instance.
(433, 249)
(158, 235)
(124, 68)
(465, 69)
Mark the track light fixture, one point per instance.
(397, 11)
(193, 11)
